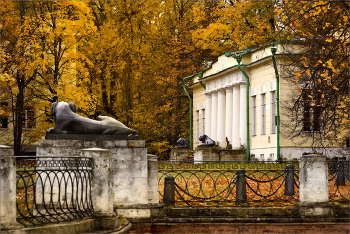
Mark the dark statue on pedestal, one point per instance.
(206, 141)
(67, 122)
(182, 143)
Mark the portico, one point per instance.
(225, 109)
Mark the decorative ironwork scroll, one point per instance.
(53, 189)
(212, 184)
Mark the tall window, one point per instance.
(273, 112)
(317, 118)
(311, 111)
(263, 115)
(203, 121)
(306, 94)
(4, 116)
(28, 119)
(254, 115)
(197, 126)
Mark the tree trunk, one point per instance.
(17, 123)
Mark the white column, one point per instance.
(243, 114)
(214, 115)
(207, 114)
(221, 118)
(228, 125)
(236, 126)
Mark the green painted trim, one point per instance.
(273, 51)
(261, 47)
(202, 85)
(200, 75)
(191, 76)
(239, 60)
(191, 103)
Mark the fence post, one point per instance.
(334, 164)
(8, 188)
(340, 180)
(241, 191)
(313, 186)
(289, 181)
(153, 190)
(346, 168)
(169, 191)
(102, 187)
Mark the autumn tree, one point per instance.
(39, 61)
(235, 25)
(19, 50)
(167, 106)
(121, 54)
(318, 67)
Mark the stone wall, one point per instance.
(216, 154)
(133, 175)
(134, 172)
(242, 228)
(179, 154)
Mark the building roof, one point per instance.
(226, 62)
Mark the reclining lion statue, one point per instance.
(206, 141)
(68, 122)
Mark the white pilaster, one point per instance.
(243, 114)
(208, 114)
(236, 126)
(214, 115)
(228, 127)
(221, 118)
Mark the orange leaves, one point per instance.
(239, 27)
(297, 75)
(345, 121)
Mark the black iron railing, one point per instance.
(226, 184)
(53, 189)
(338, 178)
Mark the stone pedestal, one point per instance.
(232, 155)
(204, 153)
(179, 154)
(313, 186)
(130, 166)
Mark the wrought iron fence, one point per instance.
(53, 189)
(226, 184)
(338, 178)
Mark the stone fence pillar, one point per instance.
(102, 187)
(313, 186)
(153, 189)
(8, 188)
